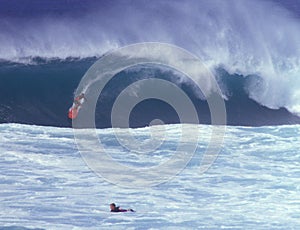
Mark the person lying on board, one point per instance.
(114, 208)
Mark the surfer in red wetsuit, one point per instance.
(114, 208)
(73, 111)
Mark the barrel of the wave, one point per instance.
(77, 104)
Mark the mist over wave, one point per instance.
(258, 40)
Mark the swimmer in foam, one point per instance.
(114, 208)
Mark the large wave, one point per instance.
(258, 39)
(42, 93)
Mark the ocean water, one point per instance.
(46, 184)
(55, 176)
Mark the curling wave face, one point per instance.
(41, 94)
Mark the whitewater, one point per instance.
(45, 184)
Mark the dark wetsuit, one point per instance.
(78, 98)
(118, 209)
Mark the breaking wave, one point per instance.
(240, 41)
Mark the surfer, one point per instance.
(78, 99)
(114, 208)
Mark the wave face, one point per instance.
(41, 94)
(255, 50)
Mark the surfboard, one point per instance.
(73, 113)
